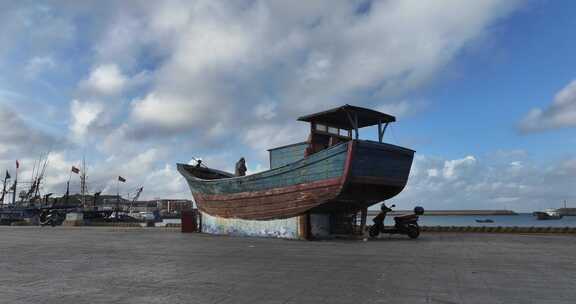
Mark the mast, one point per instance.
(117, 197)
(15, 184)
(36, 177)
(67, 196)
(138, 192)
(123, 180)
(3, 192)
(4, 187)
(83, 182)
(32, 183)
(40, 176)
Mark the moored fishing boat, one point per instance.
(548, 214)
(332, 172)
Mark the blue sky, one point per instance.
(482, 90)
(486, 91)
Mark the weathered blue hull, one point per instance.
(350, 176)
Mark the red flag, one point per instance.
(75, 170)
(121, 179)
(17, 164)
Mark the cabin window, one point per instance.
(344, 133)
(320, 127)
(333, 130)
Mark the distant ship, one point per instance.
(484, 221)
(548, 214)
(333, 171)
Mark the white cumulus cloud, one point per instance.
(221, 59)
(106, 79)
(467, 182)
(83, 114)
(560, 114)
(453, 167)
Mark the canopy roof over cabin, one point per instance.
(349, 117)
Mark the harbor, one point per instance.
(280, 152)
(517, 220)
(150, 265)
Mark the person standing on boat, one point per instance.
(241, 167)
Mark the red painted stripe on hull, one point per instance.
(287, 202)
(275, 213)
(271, 192)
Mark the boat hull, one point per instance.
(348, 176)
(545, 216)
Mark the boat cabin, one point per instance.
(329, 128)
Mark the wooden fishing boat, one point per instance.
(331, 172)
(548, 214)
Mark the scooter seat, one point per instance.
(406, 218)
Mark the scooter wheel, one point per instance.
(373, 231)
(414, 232)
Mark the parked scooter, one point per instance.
(404, 224)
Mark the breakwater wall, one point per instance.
(450, 212)
(499, 229)
(567, 211)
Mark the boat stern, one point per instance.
(377, 171)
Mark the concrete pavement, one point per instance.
(112, 265)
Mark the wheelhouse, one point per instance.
(330, 128)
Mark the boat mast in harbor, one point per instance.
(15, 184)
(83, 182)
(6, 178)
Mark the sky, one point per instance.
(484, 91)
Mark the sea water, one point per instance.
(520, 220)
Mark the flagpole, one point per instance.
(4, 188)
(83, 181)
(67, 197)
(3, 193)
(117, 196)
(15, 184)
